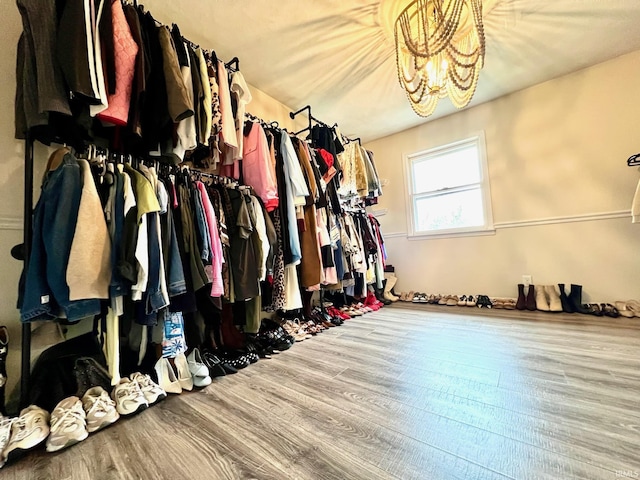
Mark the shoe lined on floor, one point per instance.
(498, 303)
(633, 306)
(471, 301)
(609, 310)
(151, 390)
(452, 301)
(5, 435)
(28, 431)
(542, 302)
(555, 304)
(68, 425)
(509, 303)
(215, 365)
(199, 371)
(167, 378)
(99, 408)
(129, 397)
(623, 310)
(183, 373)
(196, 365)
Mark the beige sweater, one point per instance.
(89, 267)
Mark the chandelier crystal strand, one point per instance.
(440, 49)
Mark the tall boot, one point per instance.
(575, 297)
(4, 350)
(567, 306)
(522, 300)
(379, 293)
(530, 302)
(391, 281)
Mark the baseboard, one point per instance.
(10, 223)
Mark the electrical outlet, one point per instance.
(527, 279)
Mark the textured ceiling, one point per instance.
(338, 56)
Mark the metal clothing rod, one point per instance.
(25, 367)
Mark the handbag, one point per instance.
(53, 376)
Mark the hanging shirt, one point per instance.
(228, 133)
(240, 90)
(205, 105)
(257, 171)
(187, 133)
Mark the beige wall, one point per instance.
(12, 174)
(556, 152)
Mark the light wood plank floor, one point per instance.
(410, 392)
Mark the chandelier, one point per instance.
(439, 51)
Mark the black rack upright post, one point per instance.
(27, 236)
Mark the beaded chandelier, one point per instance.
(439, 51)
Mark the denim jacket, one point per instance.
(46, 293)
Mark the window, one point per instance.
(449, 190)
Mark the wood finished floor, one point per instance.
(410, 392)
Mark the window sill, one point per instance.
(451, 234)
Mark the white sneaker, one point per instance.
(184, 374)
(196, 365)
(68, 424)
(100, 409)
(5, 434)
(150, 389)
(29, 430)
(128, 397)
(167, 377)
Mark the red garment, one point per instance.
(327, 157)
(125, 52)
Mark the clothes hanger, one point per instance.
(634, 160)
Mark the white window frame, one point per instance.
(485, 186)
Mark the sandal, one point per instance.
(623, 310)
(609, 310)
(592, 309)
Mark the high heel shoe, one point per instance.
(167, 377)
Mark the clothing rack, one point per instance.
(319, 122)
(264, 123)
(25, 363)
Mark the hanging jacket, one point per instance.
(40, 87)
(46, 293)
(180, 103)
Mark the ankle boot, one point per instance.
(567, 306)
(555, 305)
(522, 301)
(4, 350)
(542, 303)
(575, 297)
(530, 303)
